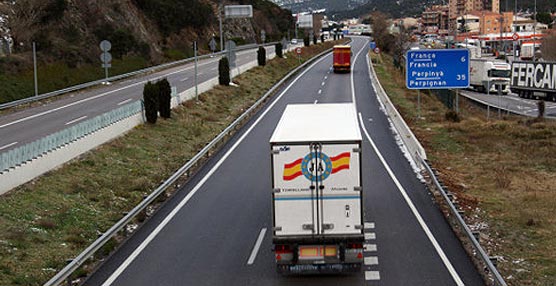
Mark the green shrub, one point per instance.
(314, 39)
(224, 71)
(150, 98)
(164, 97)
(261, 56)
(452, 116)
(279, 50)
(306, 41)
(322, 38)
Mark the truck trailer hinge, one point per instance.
(358, 188)
(327, 226)
(277, 228)
(356, 150)
(275, 152)
(308, 226)
(358, 226)
(276, 190)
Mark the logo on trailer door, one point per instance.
(325, 166)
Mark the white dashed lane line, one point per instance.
(8, 145)
(125, 101)
(320, 91)
(75, 120)
(371, 260)
(372, 275)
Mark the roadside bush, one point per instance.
(322, 38)
(150, 98)
(164, 97)
(261, 56)
(278, 48)
(314, 39)
(541, 106)
(224, 71)
(452, 116)
(306, 41)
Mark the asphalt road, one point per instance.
(28, 125)
(512, 103)
(207, 232)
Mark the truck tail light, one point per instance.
(354, 245)
(280, 250)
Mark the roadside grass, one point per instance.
(504, 171)
(56, 216)
(58, 75)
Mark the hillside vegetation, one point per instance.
(142, 32)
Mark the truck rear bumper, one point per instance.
(318, 268)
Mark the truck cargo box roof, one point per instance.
(333, 122)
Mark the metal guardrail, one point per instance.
(61, 276)
(420, 157)
(476, 245)
(117, 77)
(33, 150)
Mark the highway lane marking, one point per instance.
(369, 225)
(322, 83)
(184, 79)
(320, 91)
(369, 247)
(197, 187)
(372, 275)
(371, 260)
(351, 76)
(8, 145)
(370, 236)
(416, 213)
(316, 101)
(125, 101)
(256, 247)
(75, 120)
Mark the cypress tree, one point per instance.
(278, 49)
(261, 56)
(150, 98)
(164, 97)
(224, 71)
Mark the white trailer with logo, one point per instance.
(317, 190)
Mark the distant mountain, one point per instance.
(311, 5)
(414, 8)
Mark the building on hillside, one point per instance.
(434, 20)
(491, 22)
(458, 8)
(469, 23)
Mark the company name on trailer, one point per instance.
(535, 75)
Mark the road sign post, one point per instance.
(106, 57)
(298, 52)
(437, 69)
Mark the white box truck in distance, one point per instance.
(316, 189)
(489, 76)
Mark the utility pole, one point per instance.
(220, 21)
(35, 68)
(534, 32)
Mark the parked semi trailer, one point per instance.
(534, 80)
(317, 190)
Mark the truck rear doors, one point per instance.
(317, 189)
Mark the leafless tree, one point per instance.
(23, 17)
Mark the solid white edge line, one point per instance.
(422, 223)
(256, 247)
(351, 76)
(8, 145)
(125, 101)
(191, 193)
(75, 120)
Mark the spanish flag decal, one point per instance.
(333, 165)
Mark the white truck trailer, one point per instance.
(316, 189)
(489, 76)
(534, 80)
